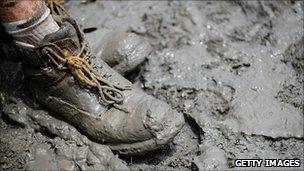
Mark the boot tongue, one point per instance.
(66, 39)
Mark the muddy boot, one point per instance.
(64, 77)
(122, 51)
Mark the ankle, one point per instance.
(33, 29)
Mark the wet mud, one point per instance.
(234, 69)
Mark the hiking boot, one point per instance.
(122, 51)
(83, 90)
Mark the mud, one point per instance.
(234, 69)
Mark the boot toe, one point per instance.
(160, 120)
(163, 122)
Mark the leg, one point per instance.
(27, 21)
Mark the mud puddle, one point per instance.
(234, 69)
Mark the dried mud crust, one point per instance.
(233, 68)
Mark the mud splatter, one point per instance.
(233, 68)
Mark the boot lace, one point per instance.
(109, 93)
(56, 7)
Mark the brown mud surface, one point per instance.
(234, 69)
